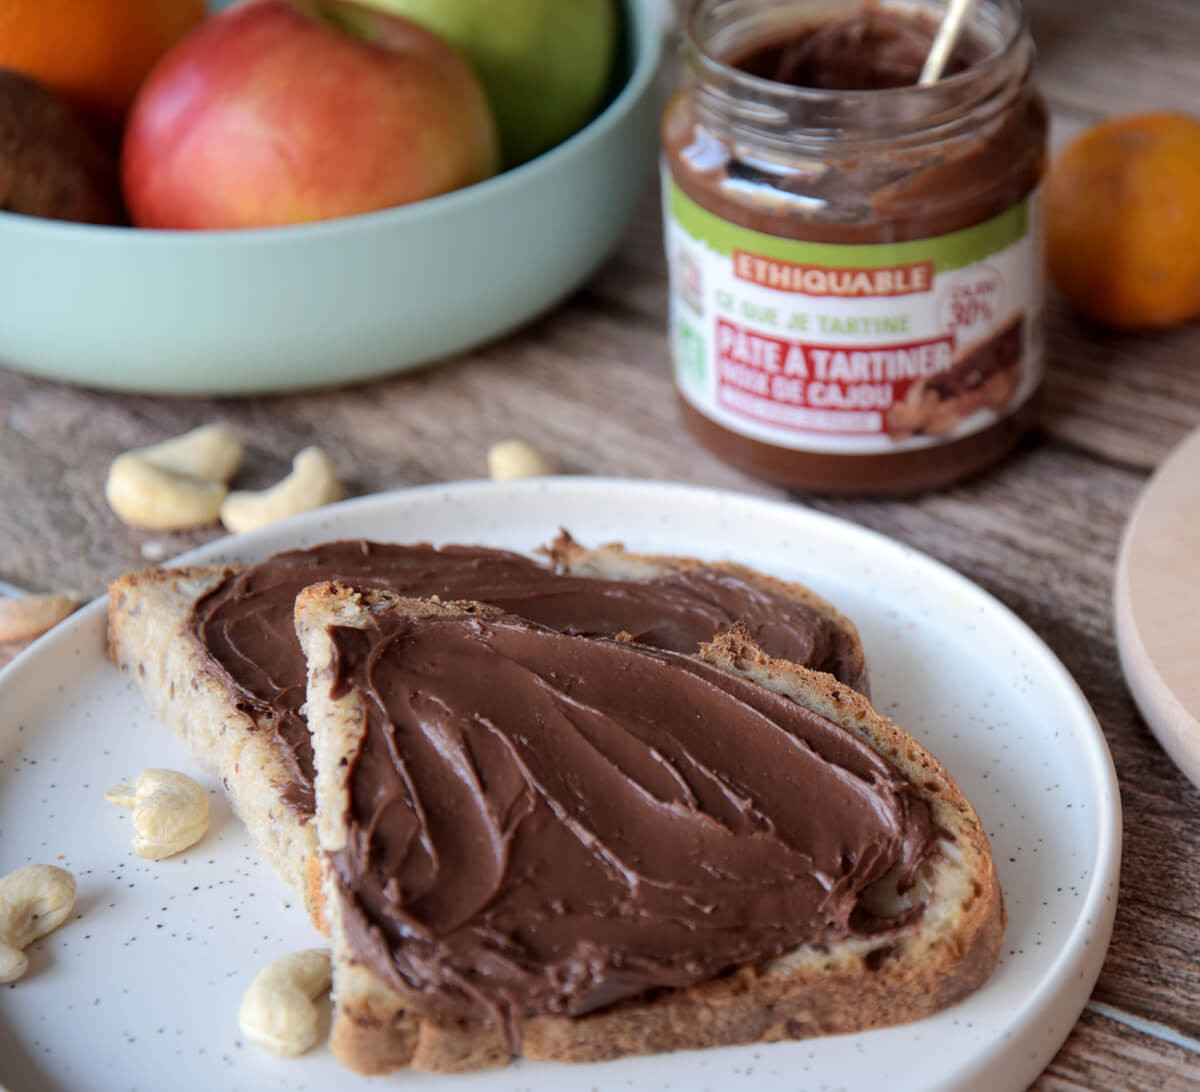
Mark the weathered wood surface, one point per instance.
(589, 384)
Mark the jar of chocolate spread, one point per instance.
(856, 262)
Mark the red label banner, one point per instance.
(847, 388)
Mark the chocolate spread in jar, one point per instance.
(544, 824)
(835, 175)
(246, 623)
(867, 51)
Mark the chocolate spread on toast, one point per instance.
(545, 824)
(246, 623)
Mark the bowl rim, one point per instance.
(647, 34)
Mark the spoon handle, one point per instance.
(957, 13)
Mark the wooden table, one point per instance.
(589, 384)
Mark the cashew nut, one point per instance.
(211, 452)
(170, 812)
(24, 617)
(312, 483)
(277, 1010)
(34, 900)
(145, 495)
(177, 484)
(516, 459)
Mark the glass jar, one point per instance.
(857, 277)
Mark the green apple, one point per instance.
(545, 64)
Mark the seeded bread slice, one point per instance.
(855, 984)
(150, 639)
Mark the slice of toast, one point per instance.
(920, 937)
(238, 727)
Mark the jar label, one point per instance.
(859, 349)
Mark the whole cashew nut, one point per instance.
(145, 495)
(177, 484)
(516, 459)
(24, 617)
(277, 1010)
(34, 900)
(170, 812)
(312, 483)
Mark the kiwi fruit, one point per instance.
(50, 164)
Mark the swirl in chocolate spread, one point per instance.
(246, 623)
(544, 824)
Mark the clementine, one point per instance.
(1123, 221)
(93, 52)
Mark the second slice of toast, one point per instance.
(509, 815)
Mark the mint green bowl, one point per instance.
(239, 312)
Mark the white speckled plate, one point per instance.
(140, 989)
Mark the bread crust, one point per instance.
(611, 561)
(853, 985)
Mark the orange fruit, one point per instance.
(93, 52)
(1123, 221)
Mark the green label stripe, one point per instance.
(947, 252)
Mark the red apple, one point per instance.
(286, 111)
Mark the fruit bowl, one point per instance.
(273, 309)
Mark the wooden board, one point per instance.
(1157, 605)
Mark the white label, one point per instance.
(854, 349)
